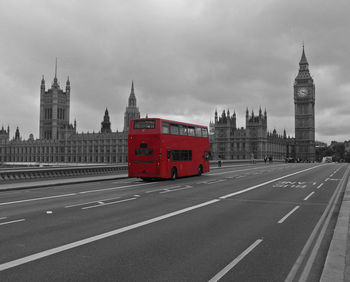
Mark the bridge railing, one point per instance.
(39, 172)
(53, 172)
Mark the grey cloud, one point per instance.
(186, 58)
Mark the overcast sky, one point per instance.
(187, 58)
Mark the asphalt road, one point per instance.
(238, 223)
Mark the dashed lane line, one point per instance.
(37, 199)
(308, 196)
(71, 194)
(233, 263)
(82, 242)
(287, 215)
(13, 221)
(319, 186)
(267, 182)
(238, 170)
(115, 188)
(177, 189)
(102, 204)
(86, 203)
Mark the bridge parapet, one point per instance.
(55, 172)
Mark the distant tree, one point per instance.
(339, 151)
(347, 157)
(336, 150)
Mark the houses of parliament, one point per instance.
(255, 141)
(59, 141)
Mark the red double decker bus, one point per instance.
(160, 148)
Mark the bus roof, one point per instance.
(173, 121)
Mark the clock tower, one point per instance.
(304, 101)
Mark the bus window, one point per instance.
(169, 154)
(198, 131)
(190, 131)
(182, 130)
(144, 124)
(174, 129)
(165, 127)
(185, 130)
(175, 156)
(181, 155)
(204, 132)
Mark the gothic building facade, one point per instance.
(254, 141)
(59, 140)
(230, 142)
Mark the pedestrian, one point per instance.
(252, 158)
(265, 159)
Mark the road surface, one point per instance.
(238, 223)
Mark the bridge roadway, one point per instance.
(238, 223)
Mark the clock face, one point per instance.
(302, 92)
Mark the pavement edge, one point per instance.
(337, 266)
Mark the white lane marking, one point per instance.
(307, 197)
(13, 221)
(211, 181)
(1, 218)
(37, 199)
(115, 188)
(71, 194)
(101, 204)
(319, 186)
(326, 179)
(288, 214)
(233, 263)
(178, 189)
(152, 191)
(267, 182)
(164, 188)
(218, 173)
(85, 241)
(215, 181)
(171, 187)
(314, 183)
(83, 204)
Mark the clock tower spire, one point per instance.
(304, 102)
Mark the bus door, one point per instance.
(168, 162)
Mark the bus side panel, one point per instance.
(184, 168)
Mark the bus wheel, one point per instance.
(173, 173)
(200, 170)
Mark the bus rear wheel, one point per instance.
(173, 173)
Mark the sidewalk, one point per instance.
(56, 182)
(337, 265)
